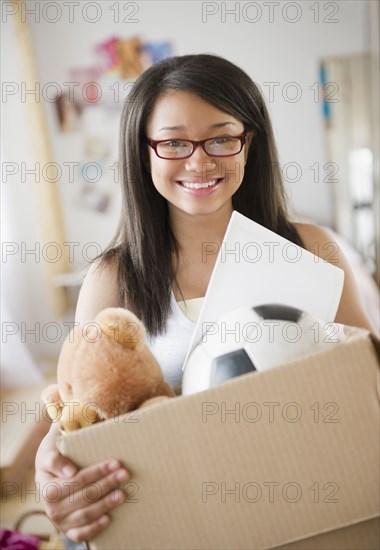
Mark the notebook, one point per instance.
(256, 266)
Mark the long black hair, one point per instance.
(144, 245)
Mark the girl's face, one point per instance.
(181, 115)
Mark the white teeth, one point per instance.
(199, 185)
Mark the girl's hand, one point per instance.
(77, 501)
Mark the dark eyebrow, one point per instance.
(217, 125)
(171, 128)
(221, 124)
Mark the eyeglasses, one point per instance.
(172, 149)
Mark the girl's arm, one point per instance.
(320, 242)
(75, 513)
(98, 291)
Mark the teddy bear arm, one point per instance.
(77, 415)
(167, 390)
(53, 402)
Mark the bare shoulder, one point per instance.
(321, 243)
(98, 291)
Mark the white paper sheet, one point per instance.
(256, 266)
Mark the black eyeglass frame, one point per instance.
(153, 144)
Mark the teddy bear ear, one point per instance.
(128, 336)
(122, 326)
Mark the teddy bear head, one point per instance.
(105, 369)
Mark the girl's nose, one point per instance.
(200, 162)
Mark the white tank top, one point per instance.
(170, 348)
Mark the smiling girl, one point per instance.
(196, 144)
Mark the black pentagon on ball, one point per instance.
(229, 365)
(279, 312)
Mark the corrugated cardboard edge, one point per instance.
(363, 535)
(329, 536)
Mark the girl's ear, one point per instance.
(248, 142)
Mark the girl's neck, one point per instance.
(199, 238)
(196, 233)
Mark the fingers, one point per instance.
(83, 499)
(78, 501)
(96, 472)
(73, 516)
(84, 489)
(89, 515)
(98, 488)
(88, 532)
(48, 459)
(84, 523)
(57, 465)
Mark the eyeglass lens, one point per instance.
(221, 146)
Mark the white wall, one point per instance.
(277, 52)
(24, 304)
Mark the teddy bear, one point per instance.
(105, 369)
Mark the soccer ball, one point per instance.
(252, 339)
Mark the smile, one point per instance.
(200, 185)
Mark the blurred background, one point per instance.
(66, 70)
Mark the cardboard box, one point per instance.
(286, 458)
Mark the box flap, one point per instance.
(266, 459)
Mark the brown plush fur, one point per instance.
(105, 369)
